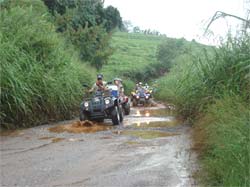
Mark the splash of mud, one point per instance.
(146, 134)
(80, 127)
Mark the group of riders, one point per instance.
(101, 85)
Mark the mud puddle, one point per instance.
(144, 112)
(80, 127)
(156, 124)
(11, 133)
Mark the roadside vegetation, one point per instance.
(137, 57)
(48, 50)
(210, 88)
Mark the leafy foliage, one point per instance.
(87, 25)
(40, 77)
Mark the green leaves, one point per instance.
(41, 77)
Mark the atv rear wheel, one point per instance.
(127, 109)
(121, 114)
(135, 102)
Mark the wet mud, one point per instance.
(55, 140)
(10, 133)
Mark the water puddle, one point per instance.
(80, 127)
(146, 134)
(76, 140)
(152, 113)
(156, 124)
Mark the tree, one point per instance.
(112, 18)
(88, 25)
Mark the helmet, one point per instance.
(99, 76)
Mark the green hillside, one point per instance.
(131, 52)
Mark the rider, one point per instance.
(118, 83)
(99, 85)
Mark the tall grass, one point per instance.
(213, 91)
(226, 155)
(41, 77)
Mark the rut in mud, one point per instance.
(150, 148)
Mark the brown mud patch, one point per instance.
(10, 132)
(132, 143)
(106, 137)
(46, 138)
(55, 140)
(146, 134)
(156, 124)
(80, 127)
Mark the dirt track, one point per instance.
(151, 148)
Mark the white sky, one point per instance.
(181, 18)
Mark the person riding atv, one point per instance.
(141, 95)
(123, 98)
(103, 103)
(99, 85)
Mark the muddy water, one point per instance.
(150, 148)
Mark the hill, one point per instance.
(132, 53)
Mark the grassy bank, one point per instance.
(211, 90)
(134, 57)
(41, 76)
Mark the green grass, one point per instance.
(226, 159)
(131, 52)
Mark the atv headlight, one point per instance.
(107, 101)
(86, 104)
(137, 97)
(146, 97)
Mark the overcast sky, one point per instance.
(181, 18)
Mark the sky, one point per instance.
(182, 18)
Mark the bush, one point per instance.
(40, 78)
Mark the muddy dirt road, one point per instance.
(150, 148)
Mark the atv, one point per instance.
(102, 105)
(141, 96)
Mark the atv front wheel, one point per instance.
(83, 116)
(115, 116)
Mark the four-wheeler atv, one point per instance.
(102, 105)
(141, 96)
